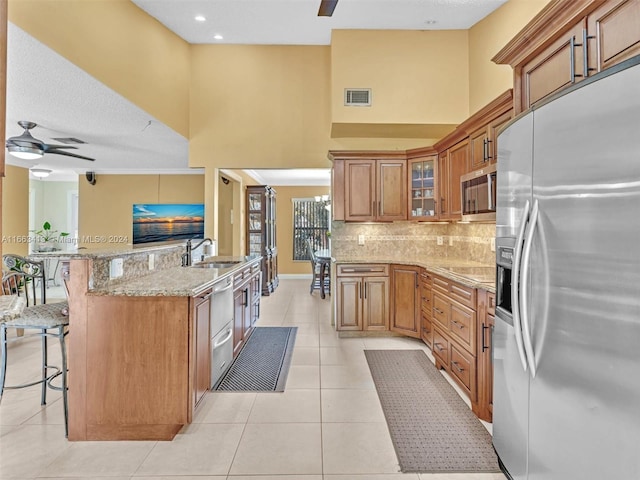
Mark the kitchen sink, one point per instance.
(226, 264)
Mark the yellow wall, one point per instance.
(259, 106)
(120, 45)
(416, 77)
(284, 226)
(106, 207)
(15, 210)
(486, 79)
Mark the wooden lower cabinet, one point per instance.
(426, 302)
(486, 312)
(201, 327)
(362, 297)
(406, 315)
(454, 332)
(244, 307)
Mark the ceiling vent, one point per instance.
(357, 97)
(69, 140)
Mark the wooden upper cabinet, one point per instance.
(558, 66)
(360, 190)
(615, 32)
(478, 145)
(369, 189)
(568, 41)
(458, 166)
(493, 130)
(391, 190)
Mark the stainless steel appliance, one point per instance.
(567, 330)
(478, 190)
(221, 329)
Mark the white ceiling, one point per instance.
(68, 102)
(295, 22)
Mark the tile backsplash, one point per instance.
(468, 241)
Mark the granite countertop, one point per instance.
(469, 273)
(11, 306)
(106, 252)
(175, 281)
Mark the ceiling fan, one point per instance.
(27, 147)
(327, 7)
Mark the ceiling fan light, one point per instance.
(40, 172)
(25, 153)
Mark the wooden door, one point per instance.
(391, 192)
(348, 303)
(552, 69)
(478, 146)
(493, 130)
(406, 300)
(375, 304)
(458, 166)
(443, 185)
(360, 190)
(616, 33)
(203, 353)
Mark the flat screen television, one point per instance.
(162, 222)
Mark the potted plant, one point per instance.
(46, 238)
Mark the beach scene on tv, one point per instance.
(161, 222)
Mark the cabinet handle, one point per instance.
(489, 157)
(484, 150)
(456, 365)
(458, 324)
(360, 289)
(365, 290)
(437, 346)
(246, 297)
(585, 50)
(379, 207)
(572, 58)
(484, 345)
(437, 310)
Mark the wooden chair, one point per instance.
(23, 277)
(316, 271)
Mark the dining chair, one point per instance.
(316, 269)
(23, 277)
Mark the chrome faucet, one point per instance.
(186, 257)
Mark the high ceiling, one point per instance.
(295, 22)
(68, 102)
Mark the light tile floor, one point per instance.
(327, 425)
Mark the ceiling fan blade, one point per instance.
(327, 7)
(69, 154)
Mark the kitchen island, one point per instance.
(139, 347)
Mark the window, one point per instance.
(311, 220)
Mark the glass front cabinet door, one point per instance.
(422, 204)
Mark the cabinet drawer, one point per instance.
(427, 330)
(441, 284)
(464, 295)
(440, 347)
(462, 367)
(426, 278)
(462, 326)
(255, 268)
(426, 303)
(440, 310)
(362, 270)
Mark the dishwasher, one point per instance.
(221, 329)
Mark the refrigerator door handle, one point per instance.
(526, 256)
(515, 287)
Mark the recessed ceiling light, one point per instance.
(200, 18)
(217, 37)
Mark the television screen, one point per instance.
(161, 222)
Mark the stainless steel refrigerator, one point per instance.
(567, 330)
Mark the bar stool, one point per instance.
(47, 319)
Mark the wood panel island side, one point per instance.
(135, 343)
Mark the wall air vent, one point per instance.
(357, 97)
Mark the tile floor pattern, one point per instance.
(327, 425)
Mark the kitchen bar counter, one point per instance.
(175, 281)
(469, 273)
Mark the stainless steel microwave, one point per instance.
(478, 190)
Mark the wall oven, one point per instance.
(478, 190)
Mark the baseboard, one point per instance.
(294, 276)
